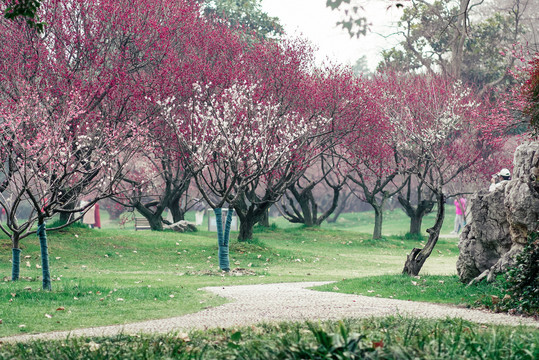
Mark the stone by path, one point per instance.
(251, 304)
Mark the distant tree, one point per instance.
(246, 14)
(361, 66)
(444, 37)
(315, 195)
(530, 93)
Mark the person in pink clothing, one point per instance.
(460, 213)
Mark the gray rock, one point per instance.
(182, 226)
(500, 221)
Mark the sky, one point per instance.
(313, 20)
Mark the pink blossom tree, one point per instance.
(249, 141)
(373, 164)
(444, 131)
(43, 153)
(101, 58)
(209, 53)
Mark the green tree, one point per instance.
(26, 9)
(441, 37)
(247, 14)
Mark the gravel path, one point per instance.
(285, 302)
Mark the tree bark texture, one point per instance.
(417, 257)
(378, 220)
(41, 233)
(176, 210)
(16, 264)
(223, 237)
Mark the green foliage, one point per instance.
(431, 30)
(247, 14)
(352, 22)
(375, 338)
(26, 9)
(522, 280)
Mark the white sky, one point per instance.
(313, 20)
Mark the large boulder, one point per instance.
(499, 221)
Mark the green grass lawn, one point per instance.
(114, 275)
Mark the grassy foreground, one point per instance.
(378, 338)
(115, 276)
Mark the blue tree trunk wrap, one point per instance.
(224, 262)
(16, 264)
(44, 256)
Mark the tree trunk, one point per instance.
(416, 214)
(340, 208)
(308, 208)
(65, 216)
(246, 229)
(265, 220)
(223, 238)
(176, 210)
(41, 233)
(16, 264)
(415, 223)
(378, 219)
(417, 257)
(153, 217)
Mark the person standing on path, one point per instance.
(460, 210)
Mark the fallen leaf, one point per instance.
(0, 321)
(28, 264)
(495, 299)
(93, 346)
(370, 291)
(259, 256)
(506, 297)
(75, 298)
(61, 308)
(48, 316)
(22, 326)
(378, 344)
(119, 299)
(28, 288)
(13, 294)
(184, 337)
(171, 296)
(250, 264)
(38, 266)
(27, 257)
(441, 281)
(335, 288)
(414, 283)
(58, 258)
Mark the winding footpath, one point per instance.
(251, 304)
